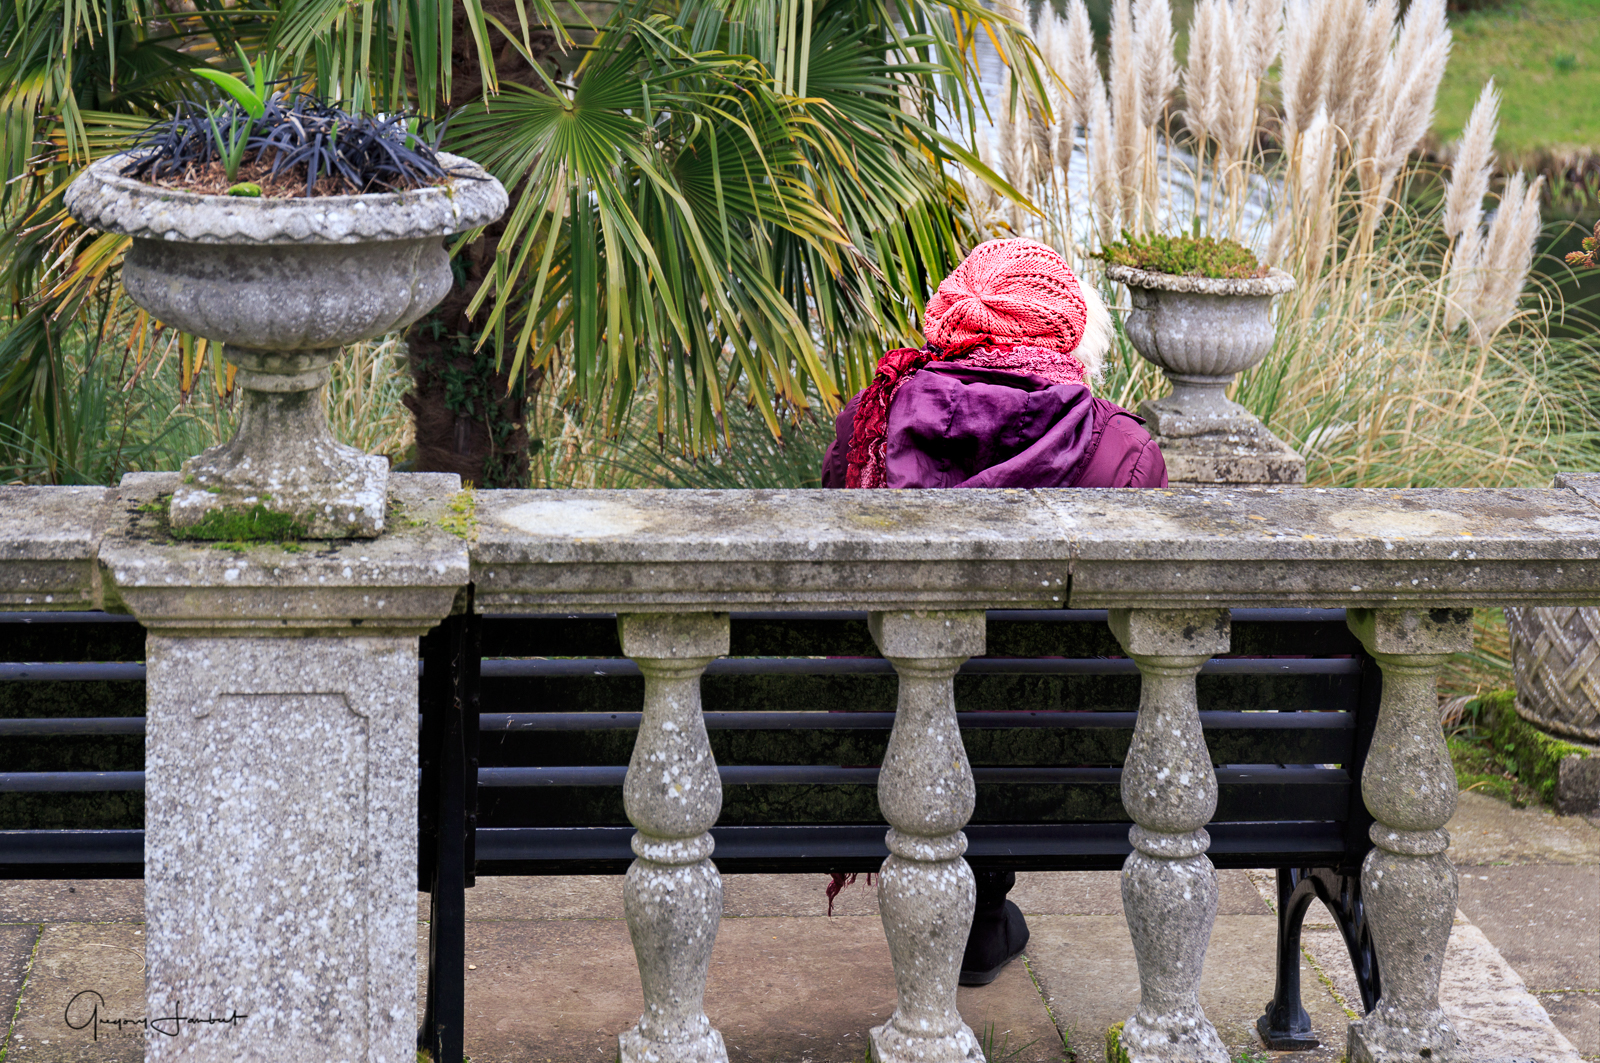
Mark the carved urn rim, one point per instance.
(104, 199)
(1276, 282)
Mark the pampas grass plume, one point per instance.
(1126, 100)
(1262, 19)
(1158, 70)
(1201, 75)
(1507, 257)
(1343, 22)
(1079, 67)
(1474, 163)
(1412, 85)
(1305, 57)
(1102, 163)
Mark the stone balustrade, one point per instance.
(320, 718)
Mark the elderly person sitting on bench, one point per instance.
(999, 396)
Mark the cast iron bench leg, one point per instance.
(450, 703)
(1286, 1024)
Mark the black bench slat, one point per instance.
(69, 782)
(1023, 632)
(613, 667)
(991, 738)
(880, 692)
(74, 854)
(71, 636)
(1043, 847)
(785, 795)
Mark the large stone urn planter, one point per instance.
(283, 284)
(1202, 332)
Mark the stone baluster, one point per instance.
(673, 894)
(1169, 887)
(926, 893)
(1408, 882)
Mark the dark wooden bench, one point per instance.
(528, 724)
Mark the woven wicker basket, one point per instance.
(1554, 654)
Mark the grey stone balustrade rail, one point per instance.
(1409, 564)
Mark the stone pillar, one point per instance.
(281, 779)
(1169, 887)
(926, 893)
(672, 894)
(1408, 883)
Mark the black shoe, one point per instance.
(999, 934)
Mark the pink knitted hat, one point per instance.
(1018, 291)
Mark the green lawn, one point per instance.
(1545, 56)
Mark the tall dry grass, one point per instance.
(1415, 349)
(132, 417)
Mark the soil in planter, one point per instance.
(211, 179)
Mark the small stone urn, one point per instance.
(1202, 331)
(283, 284)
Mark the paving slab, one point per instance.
(1577, 1015)
(1488, 831)
(1489, 1003)
(72, 959)
(784, 990)
(16, 951)
(107, 900)
(1544, 918)
(1100, 893)
(1090, 978)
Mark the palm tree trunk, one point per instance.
(470, 416)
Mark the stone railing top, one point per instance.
(49, 537)
(645, 551)
(1023, 549)
(103, 199)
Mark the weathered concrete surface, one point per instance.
(48, 539)
(713, 550)
(1191, 547)
(98, 900)
(926, 891)
(1100, 893)
(1547, 916)
(17, 941)
(280, 845)
(284, 456)
(1530, 881)
(1408, 883)
(403, 583)
(1490, 1006)
(1250, 455)
(800, 896)
(105, 964)
(1317, 547)
(782, 990)
(1085, 966)
(1169, 888)
(1487, 831)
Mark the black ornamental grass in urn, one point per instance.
(1201, 311)
(284, 228)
